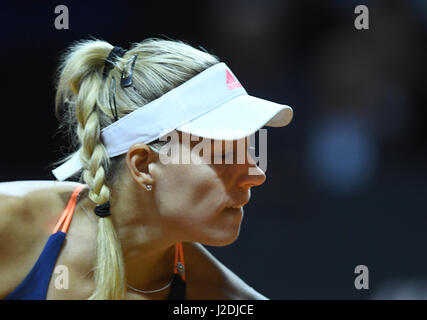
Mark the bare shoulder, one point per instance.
(28, 213)
(209, 279)
(12, 208)
(25, 203)
(26, 187)
(27, 206)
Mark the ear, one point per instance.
(138, 157)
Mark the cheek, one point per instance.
(190, 199)
(189, 191)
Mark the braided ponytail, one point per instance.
(109, 270)
(81, 74)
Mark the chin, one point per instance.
(223, 238)
(222, 231)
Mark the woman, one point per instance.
(134, 226)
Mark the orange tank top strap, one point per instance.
(68, 212)
(179, 261)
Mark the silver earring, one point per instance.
(148, 187)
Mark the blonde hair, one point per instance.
(82, 107)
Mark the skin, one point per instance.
(188, 203)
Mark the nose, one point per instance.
(253, 177)
(253, 180)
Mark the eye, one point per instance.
(223, 156)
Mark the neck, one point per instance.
(147, 251)
(149, 260)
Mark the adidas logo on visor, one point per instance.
(232, 83)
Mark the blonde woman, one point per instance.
(134, 225)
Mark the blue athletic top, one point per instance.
(36, 283)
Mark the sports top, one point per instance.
(36, 283)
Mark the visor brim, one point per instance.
(239, 117)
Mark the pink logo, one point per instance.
(232, 83)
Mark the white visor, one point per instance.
(212, 105)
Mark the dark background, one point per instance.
(346, 180)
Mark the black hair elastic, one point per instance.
(103, 210)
